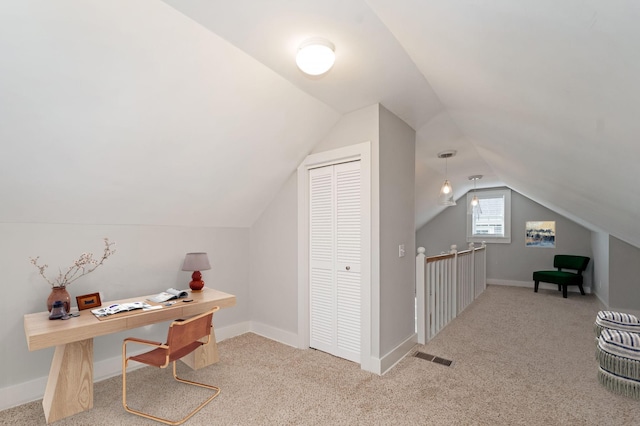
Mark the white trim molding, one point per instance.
(33, 390)
(530, 284)
(362, 152)
(389, 361)
(489, 238)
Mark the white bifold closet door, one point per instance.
(335, 251)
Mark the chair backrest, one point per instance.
(187, 335)
(566, 261)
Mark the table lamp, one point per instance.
(196, 262)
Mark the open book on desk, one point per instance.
(120, 307)
(171, 293)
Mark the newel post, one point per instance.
(421, 299)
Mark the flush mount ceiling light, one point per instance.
(316, 56)
(446, 191)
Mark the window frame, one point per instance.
(494, 193)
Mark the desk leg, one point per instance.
(70, 384)
(205, 355)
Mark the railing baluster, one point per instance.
(446, 285)
(421, 295)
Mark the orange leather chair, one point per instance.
(183, 338)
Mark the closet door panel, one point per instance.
(348, 248)
(322, 258)
(335, 258)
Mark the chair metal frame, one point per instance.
(197, 331)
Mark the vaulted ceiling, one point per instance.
(193, 112)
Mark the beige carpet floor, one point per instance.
(519, 358)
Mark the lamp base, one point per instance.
(196, 283)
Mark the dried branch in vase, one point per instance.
(84, 265)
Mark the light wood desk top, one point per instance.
(72, 364)
(41, 332)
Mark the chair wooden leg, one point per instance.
(535, 288)
(564, 291)
(581, 289)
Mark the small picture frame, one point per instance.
(88, 301)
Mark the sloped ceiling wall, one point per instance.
(125, 112)
(192, 112)
(546, 92)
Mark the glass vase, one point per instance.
(61, 294)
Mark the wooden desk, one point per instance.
(70, 383)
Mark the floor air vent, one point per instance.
(433, 358)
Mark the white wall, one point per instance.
(397, 226)
(148, 260)
(127, 112)
(600, 249)
(274, 271)
(258, 265)
(393, 162)
(624, 273)
(274, 239)
(357, 126)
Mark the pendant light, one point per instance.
(474, 205)
(446, 191)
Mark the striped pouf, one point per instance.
(616, 321)
(618, 353)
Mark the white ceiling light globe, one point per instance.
(315, 56)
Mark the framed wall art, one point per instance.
(540, 234)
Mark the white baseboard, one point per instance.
(388, 361)
(282, 336)
(606, 307)
(531, 285)
(22, 393)
(224, 333)
(33, 390)
(379, 366)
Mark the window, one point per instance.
(491, 222)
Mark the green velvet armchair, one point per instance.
(563, 278)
